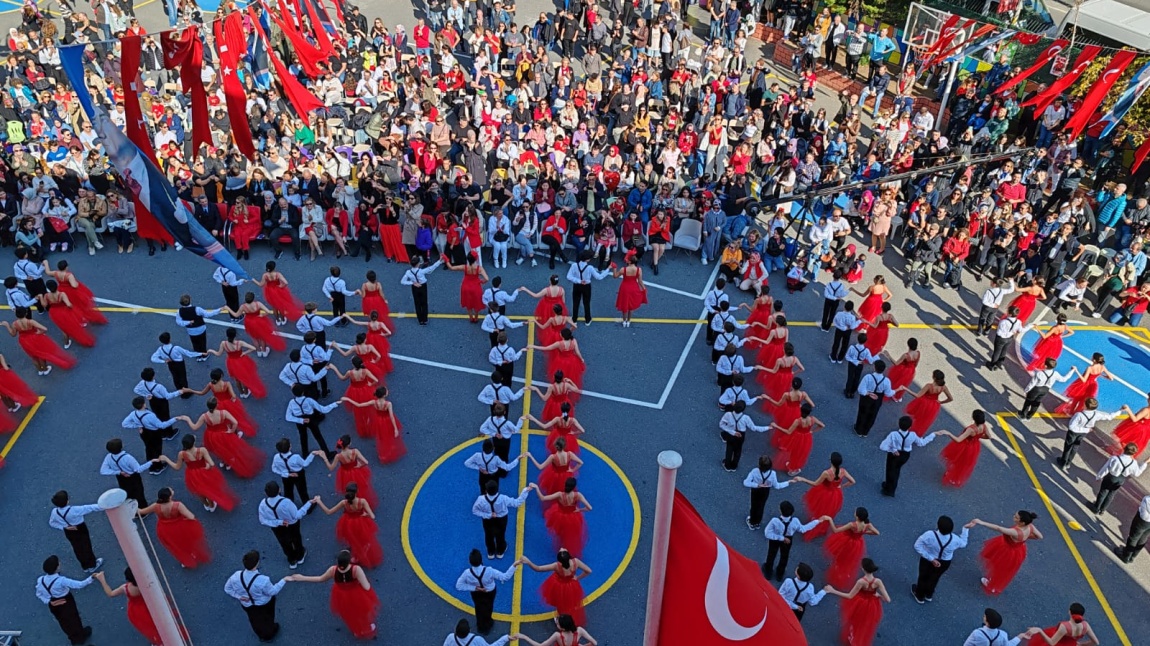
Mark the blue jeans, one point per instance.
(1119, 317)
(1044, 137)
(866, 92)
(774, 263)
(526, 249)
(436, 20)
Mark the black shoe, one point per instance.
(164, 247)
(765, 571)
(297, 256)
(87, 634)
(279, 252)
(151, 251)
(914, 593)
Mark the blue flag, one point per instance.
(141, 176)
(1138, 85)
(258, 55)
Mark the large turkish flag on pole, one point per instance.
(715, 596)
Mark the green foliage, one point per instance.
(1139, 115)
(892, 12)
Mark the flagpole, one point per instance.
(669, 463)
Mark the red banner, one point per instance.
(1118, 64)
(946, 34)
(1045, 57)
(954, 49)
(300, 98)
(1056, 88)
(146, 224)
(308, 55)
(184, 51)
(1140, 155)
(231, 44)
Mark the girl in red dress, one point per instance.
(874, 297)
(564, 356)
(862, 607)
(564, 426)
(551, 330)
(259, 324)
(825, 497)
(1049, 346)
(773, 346)
(361, 390)
(880, 330)
(356, 527)
(901, 373)
(846, 546)
(471, 289)
(1085, 387)
(632, 292)
(227, 401)
(34, 340)
(388, 442)
(961, 455)
(138, 614)
(550, 296)
(762, 312)
(562, 589)
(367, 355)
(795, 445)
(15, 392)
(568, 634)
(377, 333)
(223, 440)
(246, 226)
(178, 530)
(1072, 632)
(776, 378)
(78, 293)
(276, 292)
(240, 365)
(375, 301)
(554, 471)
(1028, 298)
(202, 478)
(350, 467)
(928, 401)
(560, 391)
(564, 519)
(787, 408)
(352, 599)
(1135, 429)
(69, 320)
(1002, 556)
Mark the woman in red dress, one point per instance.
(240, 366)
(13, 390)
(567, 634)
(390, 234)
(245, 226)
(550, 296)
(276, 292)
(34, 340)
(1072, 632)
(259, 324)
(375, 301)
(825, 497)
(350, 467)
(880, 330)
(361, 390)
(366, 354)
(787, 408)
(554, 471)
(564, 519)
(68, 319)
(901, 373)
(352, 599)
(356, 527)
(564, 426)
(560, 391)
(928, 401)
(1135, 429)
(1028, 298)
(798, 438)
(551, 330)
(862, 607)
(874, 297)
(138, 614)
(377, 333)
(227, 401)
(203, 479)
(776, 378)
(78, 293)
(562, 589)
(632, 292)
(388, 441)
(846, 546)
(961, 455)
(1003, 555)
(564, 356)
(762, 312)
(227, 444)
(1085, 387)
(773, 346)
(1049, 344)
(178, 530)
(471, 289)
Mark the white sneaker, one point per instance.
(534, 263)
(99, 245)
(91, 251)
(48, 370)
(519, 260)
(704, 262)
(68, 344)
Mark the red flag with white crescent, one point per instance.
(946, 34)
(231, 45)
(1140, 155)
(1090, 103)
(184, 51)
(716, 596)
(1045, 57)
(1045, 98)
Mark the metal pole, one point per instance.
(946, 94)
(669, 463)
(121, 513)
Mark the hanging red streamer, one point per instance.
(1045, 57)
(1046, 97)
(230, 44)
(300, 98)
(1082, 117)
(184, 51)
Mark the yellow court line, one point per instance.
(1057, 519)
(521, 513)
(20, 429)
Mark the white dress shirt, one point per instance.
(154, 390)
(992, 297)
(835, 291)
(116, 463)
(482, 577)
(582, 273)
(1008, 328)
(252, 588)
(735, 394)
(858, 354)
(502, 354)
(1084, 420)
(495, 321)
(845, 321)
(313, 353)
(1121, 466)
(936, 546)
(1144, 509)
(492, 393)
(730, 366)
(488, 463)
(298, 372)
(279, 511)
(314, 323)
(783, 527)
(285, 464)
(227, 277)
(757, 478)
(198, 329)
(335, 285)
(799, 594)
(875, 383)
(18, 298)
(25, 269)
(498, 427)
(54, 586)
(170, 352)
(721, 319)
(500, 297)
(990, 637)
(418, 276)
(1070, 292)
(496, 506)
(714, 297)
(732, 423)
(726, 338)
(146, 419)
(299, 408)
(70, 515)
(474, 640)
(904, 441)
(1046, 379)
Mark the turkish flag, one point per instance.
(146, 224)
(300, 98)
(308, 55)
(1085, 57)
(1045, 57)
(1140, 155)
(1093, 99)
(183, 50)
(715, 596)
(231, 43)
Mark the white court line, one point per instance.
(690, 344)
(676, 291)
(1118, 379)
(422, 362)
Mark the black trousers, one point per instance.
(867, 414)
(582, 294)
(493, 337)
(998, 354)
(830, 308)
(724, 381)
(36, 287)
(484, 477)
(1070, 448)
(291, 541)
(231, 296)
(295, 485)
(495, 535)
(1033, 400)
(179, 372)
(986, 316)
(734, 450)
(780, 550)
(338, 304)
(854, 375)
(759, 497)
(893, 471)
(263, 620)
(508, 372)
(133, 485)
(316, 367)
(161, 408)
(502, 446)
(313, 427)
(419, 295)
(852, 66)
(555, 250)
(484, 603)
(928, 577)
(1110, 486)
(711, 333)
(840, 345)
(199, 341)
(1136, 539)
(81, 542)
(68, 616)
(153, 447)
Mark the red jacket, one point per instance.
(956, 249)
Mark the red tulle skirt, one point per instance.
(553, 407)
(775, 385)
(389, 446)
(569, 362)
(770, 353)
(1037, 640)
(794, 449)
(902, 375)
(546, 336)
(184, 540)
(871, 307)
(785, 415)
(876, 338)
(141, 620)
(244, 421)
(923, 411)
(358, 532)
(14, 388)
(373, 302)
(1137, 432)
(861, 616)
(1048, 348)
(1001, 560)
(361, 392)
(567, 528)
(392, 242)
(209, 484)
(1025, 304)
(378, 341)
(631, 297)
(471, 293)
(823, 500)
(545, 309)
(262, 329)
(72, 324)
(1077, 394)
(357, 608)
(855, 274)
(83, 301)
(42, 347)
(565, 594)
(280, 299)
(361, 476)
(554, 477)
(960, 459)
(846, 550)
(571, 439)
(243, 369)
(244, 459)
